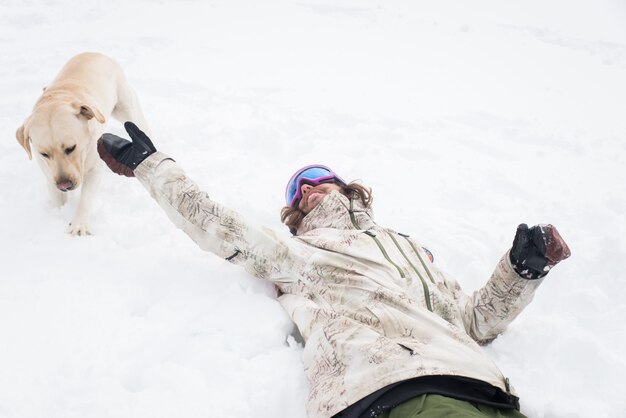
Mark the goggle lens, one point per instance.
(313, 175)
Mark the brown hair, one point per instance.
(292, 216)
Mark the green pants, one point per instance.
(436, 406)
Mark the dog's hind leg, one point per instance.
(128, 107)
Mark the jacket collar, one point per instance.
(337, 211)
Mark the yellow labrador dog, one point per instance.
(67, 121)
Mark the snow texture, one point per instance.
(466, 118)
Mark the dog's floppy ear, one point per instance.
(24, 140)
(88, 111)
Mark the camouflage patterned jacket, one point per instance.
(371, 307)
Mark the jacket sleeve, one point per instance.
(489, 310)
(217, 229)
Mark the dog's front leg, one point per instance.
(57, 197)
(80, 224)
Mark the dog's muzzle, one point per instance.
(65, 185)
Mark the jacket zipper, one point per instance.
(382, 249)
(430, 276)
(376, 240)
(424, 285)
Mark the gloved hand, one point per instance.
(123, 156)
(536, 250)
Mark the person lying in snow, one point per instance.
(387, 334)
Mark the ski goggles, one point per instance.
(311, 174)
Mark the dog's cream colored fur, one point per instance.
(67, 121)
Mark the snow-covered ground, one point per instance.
(466, 118)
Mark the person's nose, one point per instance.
(305, 189)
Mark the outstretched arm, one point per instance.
(488, 312)
(212, 226)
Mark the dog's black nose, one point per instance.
(65, 185)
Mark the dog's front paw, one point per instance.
(78, 230)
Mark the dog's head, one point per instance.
(61, 135)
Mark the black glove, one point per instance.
(536, 250)
(123, 156)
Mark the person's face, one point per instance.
(313, 195)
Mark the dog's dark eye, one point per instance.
(44, 155)
(69, 150)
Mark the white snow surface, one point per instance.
(466, 118)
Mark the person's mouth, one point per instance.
(311, 194)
